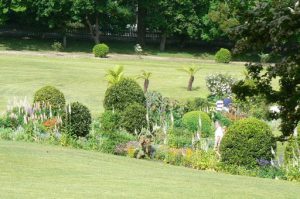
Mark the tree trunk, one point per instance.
(95, 32)
(190, 85)
(65, 41)
(163, 42)
(141, 27)
(146, 85)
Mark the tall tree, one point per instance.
(8, 7)
(95, 13)
(275, 28)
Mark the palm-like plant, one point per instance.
(113, 76)
(145, 76)
(191, 70)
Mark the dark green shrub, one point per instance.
(198, 104)
(292, 149)
(179, 138)
(57, 46)
(247, 142)
(77, 120)
(51, 95)
(122, 94)
(134, 118)
(223, 56)
(100, 50)
(110, 121)
(224, 121)
(110, 140)
(191, 122)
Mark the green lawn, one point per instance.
(38, 171)
(82, 79)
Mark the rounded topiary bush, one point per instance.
(134, 118)
(247, 142)
(110, 121)
(100, 50)
(223, 56)
(77, 120)
(122, 94)
(51, 95)
(190, 121)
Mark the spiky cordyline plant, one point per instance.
(145, 76)
(191, 70)
(115, 75)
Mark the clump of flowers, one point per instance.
(21, 112)
(220, 85)
(138, 50)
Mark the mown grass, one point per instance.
(82, 79)
(39, 171)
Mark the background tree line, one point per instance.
(184, 19)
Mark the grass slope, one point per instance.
(38, 171)
(82, 79)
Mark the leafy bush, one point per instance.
(247, 142)
(100, 50)
(224, 121)
(110, 121)
(223, 56)
(191, 122)
(178, 138)
(134, 118)
(220, 85)
(197, 104)
(264, 58)
(57, 46)
(110, 140)
(51, 95)
(292, 150)
(122, 94)
(78, 119)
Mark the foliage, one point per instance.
(115, 75)
(122, 94)
(100, 50)
(57, 46)
(278, 32)
(220, 85)
(110, 121)
(223, 56)
(52, 96)
(247, 142)
(110, 140)
(198, 103)
(133, 119)
(264, 58)
(292, 151)
(195, 119)
(179, 138)
(77, 120)
(222, 118)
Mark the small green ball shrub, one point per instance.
(51, 95)
(223, 56)
(134, 118)
(190, 121)
(77, 122)
(122, 94)
(100, 50)
(110, 121)
(247, 142)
